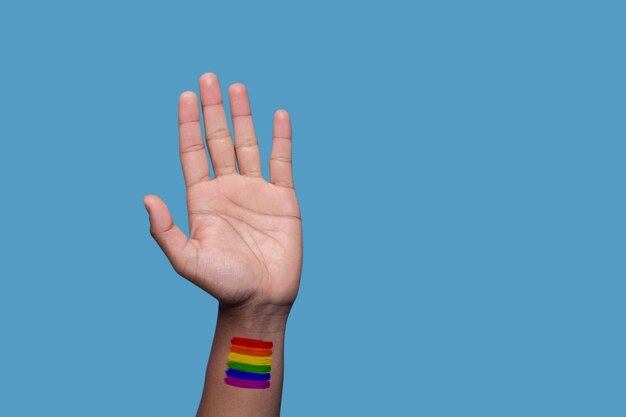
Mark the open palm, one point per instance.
(245, 237)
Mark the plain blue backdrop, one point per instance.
(460, 167)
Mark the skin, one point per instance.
(245, 236)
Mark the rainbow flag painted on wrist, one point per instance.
(249, 363)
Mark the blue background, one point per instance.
(460, 167)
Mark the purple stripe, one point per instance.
(242, 383)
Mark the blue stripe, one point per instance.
(250, 376)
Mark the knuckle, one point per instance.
(285, 159)
(253, 172)
(225, 169)
(282, 183)
(221, 133)
(192, 148)
(246, 144)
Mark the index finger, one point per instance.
(192, 152)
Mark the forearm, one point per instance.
(224, 400)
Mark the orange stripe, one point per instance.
(250, 351)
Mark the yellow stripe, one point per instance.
(250, 360)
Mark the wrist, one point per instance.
(254, 321)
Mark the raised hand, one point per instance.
(245, 234)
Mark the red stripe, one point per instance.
(252, 343)
(250, 351)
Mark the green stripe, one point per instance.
(257, 369)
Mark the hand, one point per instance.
(245, 234)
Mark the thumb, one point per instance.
(170, 238)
